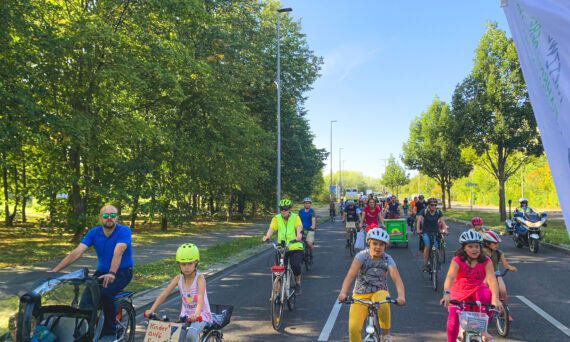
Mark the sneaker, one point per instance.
(425, 268)
(107, 338)
(297, 289)
(387, 338)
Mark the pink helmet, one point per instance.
(476, 221)
(491, 237)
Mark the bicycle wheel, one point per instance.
(502, 321)
(442, 252)
(125, 321)
(434, 269)
(276, 303)
(352, 242)
(291, 297)
(307, 257)
(212, 336)
(24, 324)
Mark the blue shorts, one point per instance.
(427, 243)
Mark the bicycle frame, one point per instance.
(471, 335)
(373, 330)
(282, 270)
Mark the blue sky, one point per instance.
(384, 62)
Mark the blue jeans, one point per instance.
(427, 242)
(122, 279)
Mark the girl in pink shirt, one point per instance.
(465, 281)
(371, 214)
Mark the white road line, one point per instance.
(546, 316)
(330, 322)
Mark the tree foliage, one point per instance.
(394, 176)
(163, 108)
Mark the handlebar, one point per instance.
(351, 300)
(281, 244)
(153, 316)
(505, 272)
(462, 304)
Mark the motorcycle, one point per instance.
(525, 228)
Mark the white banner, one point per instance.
(541, 32)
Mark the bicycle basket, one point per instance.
(278, 270)
(473, 321)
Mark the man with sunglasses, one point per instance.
(431, 218)
(289, 227)
(112, 243)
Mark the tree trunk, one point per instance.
(241, 204)
(5, 184)
(52, 199)
(502, 210)
(442, 185)
(449, 196)
(75, 200)
(163, 224)
(24, 190)
(230, 208)
(134, 211)
(211, 205)
(11, 218)
(254, 207)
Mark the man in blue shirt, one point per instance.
(309, 220)
(112, 243)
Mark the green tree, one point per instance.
(394, 176)
(493, 106)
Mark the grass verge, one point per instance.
(155, 273)
(555, 232)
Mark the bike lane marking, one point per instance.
(544, 315)
(325, 333)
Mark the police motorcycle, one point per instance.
(525, 227)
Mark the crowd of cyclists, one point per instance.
(473, 274)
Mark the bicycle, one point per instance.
(283, 284)
(433, 261)
(373, 330)
(502, 320)
(332, 213)
(351, 236)
(473, 324)
(307, 258)
(73, 321)
(210, 333)
(442, 244)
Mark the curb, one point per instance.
(545, 244)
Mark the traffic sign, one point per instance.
(471, 184)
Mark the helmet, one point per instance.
(285, 204)
(470, 236)
(378, 234)
(415, 198)
(476, 221)
(491, 237)
(521, 200)
(307, 199)
(187, 252)
(350, 202)
(432, 201)
(421, 197)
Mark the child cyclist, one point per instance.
(370, 268)
(192, 287)
(491, 242)
(468, 272)
(477, 225)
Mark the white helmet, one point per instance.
(491, 237)
(470, 236)
(522, 199)
(378, 234)
(307, 199)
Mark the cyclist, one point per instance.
(112, 243)
(431, 217)
(491, 242)
(419, 204)
(192, 288)
(477, 225)
(351, 214)
(370, 268)
(371, 215)
(309, 220)
(289, 226)
(393, 209)
(406, 207)
(465, 281)
(332, 209)
(413, 205)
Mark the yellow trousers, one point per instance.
(358, 312)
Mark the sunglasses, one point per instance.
(112, 215)
(285, 209)
(432, 205)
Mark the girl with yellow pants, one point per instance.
(370, 268)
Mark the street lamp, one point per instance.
(340, 170)
(279, 11)
(330, 161)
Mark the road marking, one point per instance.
(546, 316)
(325, 333)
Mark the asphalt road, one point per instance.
(542, 279)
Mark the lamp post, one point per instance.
(330, 161)
(279, 11)
(340, 171)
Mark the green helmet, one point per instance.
(187, 252)
(285, 204)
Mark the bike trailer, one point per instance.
(396, 228)
(54, 308)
